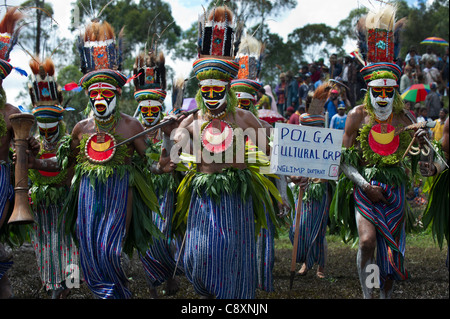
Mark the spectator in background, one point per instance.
(331, 104)
(438, 130)
(323, 78)
(292, 93)
(428, 56)
(416, 71)
(295, 118)
(422, 114)
(407, 79)
(349, 78)
(263, 100)
(335, 67)
(315, 73)
(431, 74)
(412, 54)
(408, 107)
(445, 74)
(305, 88)
(273, 103)
(433, 102)
(325, 73)
(280, 91)
(338, 120)
(289, 111)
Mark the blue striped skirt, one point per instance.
(6, 194)
(388, 221)
(220, 255)
(55, 251)
(313, 227)
(160, 259)
(265, 254)
(101, 228)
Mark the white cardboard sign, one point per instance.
(306, 151)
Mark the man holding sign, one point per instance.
(311, 155)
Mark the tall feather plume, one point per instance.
(250, 46)
(120, 48)
(178, 87)
(382, 19)
(8, 25)
(161, 62)
(400, 25)
(9, 21)
(98, 31)
(221, 14)
(361, 37)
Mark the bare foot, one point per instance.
(303, 270)
(320, 272)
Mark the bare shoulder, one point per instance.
(246, 119)
(81, 128)
(132, 124)
(11, 109)
(357, 113)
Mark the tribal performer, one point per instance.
(246, 86)
(8, 38)
(222, 199)
(373, 157)
(437, 211)
(110, 199)
(315, 204)
(56, 252)
(150, 83)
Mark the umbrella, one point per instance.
(416, 93)
(270, 116)
(434, 40)
(189, 104)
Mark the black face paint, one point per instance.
(244, 104)
(213, 96)
(387, 92)
(107, 95)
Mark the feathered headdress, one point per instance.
(101, 55)
(178, 87)
(46, 96)
(217, 45)
(378, 35)
(250, 58)
(8, 38)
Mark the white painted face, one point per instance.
(150, 112)
(214, 93)
(103, 99)
(382, 99)
(49, 131)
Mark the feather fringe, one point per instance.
(9, 21)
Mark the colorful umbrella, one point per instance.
(434, 40)
(270, 116)
(416, 93)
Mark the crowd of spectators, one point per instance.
(294, 91)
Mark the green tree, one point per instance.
(314, 41)
(40, 26)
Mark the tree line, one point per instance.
(145, 21)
